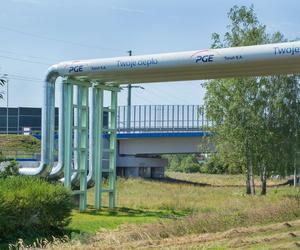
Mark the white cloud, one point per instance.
(130, 10)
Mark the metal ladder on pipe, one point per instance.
(81, 147)
(76, 149)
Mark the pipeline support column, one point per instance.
(67, 127)
(98, 143)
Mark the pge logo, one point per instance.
(205, 58)
(76, 69)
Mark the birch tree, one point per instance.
(256, 118)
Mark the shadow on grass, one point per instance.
(130, 212)
(200, 184)
(177, 181)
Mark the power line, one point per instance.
(169, 94)
(24, 60)
(26, 55)
(162, 95)
(143, 98)
(55, 39)
(27, 77)
(25, 80)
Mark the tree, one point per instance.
(254, 116)
(2, 84)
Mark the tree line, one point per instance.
(257, 118)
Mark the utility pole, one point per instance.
(129, 100)
(130, 87)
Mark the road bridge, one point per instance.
(149, 131)
(162, 129)
(143, 135)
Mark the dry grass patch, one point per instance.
(203, 223)
(274, 236)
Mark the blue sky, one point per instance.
(38, 33)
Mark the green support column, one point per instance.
(82, 143)
(68, 125)
(98, 143)
(113, 149)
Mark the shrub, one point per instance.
(30, 207)
(11, 169)
(183, 163)
(190, 165)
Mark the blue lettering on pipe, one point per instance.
(288, 50)
(138, 63)
(76, 69)
(205, 59)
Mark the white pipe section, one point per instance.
(283, 58)
(75, 166)
(57, 171)
(92, 134)
(48, 120)
(269, 59)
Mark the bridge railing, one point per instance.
(143, 118)
(164, 118)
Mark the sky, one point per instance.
(38, 33)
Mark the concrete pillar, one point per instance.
(132, 172)
(158, 172)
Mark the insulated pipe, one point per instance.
(73, 179)
(48, 123)
(57, 171)
(93, 119)
(282, 58)
(269, 59)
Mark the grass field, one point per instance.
(20, 146)
(162, 215)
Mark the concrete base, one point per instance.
(127, 166)
(157, 173)
(142, 166)
(131, 172)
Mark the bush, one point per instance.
(30, 206)
(190, 165)
(215, 165)
(183, 163)
(12, 169)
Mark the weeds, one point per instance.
(154, 211)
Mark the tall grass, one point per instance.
(155, 195)
(195, 209)
(216, 221)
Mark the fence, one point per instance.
(20, 118)
(168, 118)
(141, 118)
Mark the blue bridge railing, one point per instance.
(162, 118)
